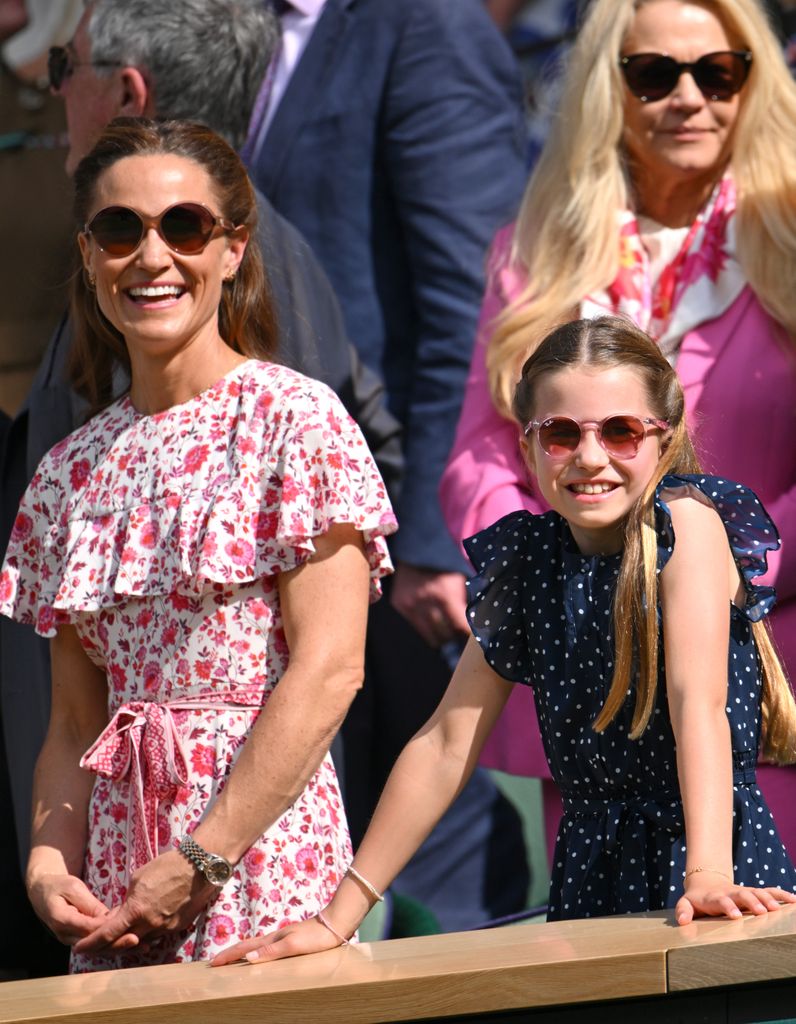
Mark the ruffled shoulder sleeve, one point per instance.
(228, 488)
(750, 531)
(510, 558)
(320, 472)
(35, 555)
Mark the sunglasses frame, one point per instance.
(146, 223)
(692, 67)
(597, 425)
(61, 63)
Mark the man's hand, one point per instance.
(165, 896)
(433, 602)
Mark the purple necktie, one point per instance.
(258, 113)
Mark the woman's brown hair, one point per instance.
(245, 317)
(608, 342)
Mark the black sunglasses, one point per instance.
(187, 228)
(719, 75)
(61, 63)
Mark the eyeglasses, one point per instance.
(61, 63)
(719, 75)
(186, 228)
(621, 436)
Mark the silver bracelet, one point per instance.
(374, 892)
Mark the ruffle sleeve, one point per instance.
(279, 462)
(750, 531)
(503, 556)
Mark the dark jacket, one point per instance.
(398, 150)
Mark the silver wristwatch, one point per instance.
(216, 869)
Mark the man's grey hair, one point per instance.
(204, 60)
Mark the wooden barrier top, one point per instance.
(533, 965)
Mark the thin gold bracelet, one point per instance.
(711, 871)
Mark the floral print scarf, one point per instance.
(699, 284)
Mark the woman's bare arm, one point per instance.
(324, 607)
(429, 774)
(61, 792)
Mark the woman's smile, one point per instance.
(155, 296)
(161, 301)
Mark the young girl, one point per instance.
(630, 609)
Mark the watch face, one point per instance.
(217, 870)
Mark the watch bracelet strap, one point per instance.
(193, 852)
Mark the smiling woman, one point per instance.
(667, 194)
(163, 300)
(209, 295)
(202, 553)
(678, 142)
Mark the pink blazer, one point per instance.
(739, 376)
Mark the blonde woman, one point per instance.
(666, 193)
(631, 610)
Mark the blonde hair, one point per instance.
(607, 342)
(566, 242)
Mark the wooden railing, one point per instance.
(442, 977)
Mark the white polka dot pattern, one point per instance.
(542, 613)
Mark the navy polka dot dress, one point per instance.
(542, 613)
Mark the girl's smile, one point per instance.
(590, 488)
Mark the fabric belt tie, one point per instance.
(141, 744)
(624, 824)
(744, 767)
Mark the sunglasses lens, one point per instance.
(187, 228)
(117, 230)
(559, 437)
(650, 76)
(622, 436)
(57, 63)
(720, 74)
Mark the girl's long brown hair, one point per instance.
(603, 343)
(246, 318)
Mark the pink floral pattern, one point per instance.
(701, 282)
(160, 538)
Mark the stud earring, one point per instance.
(230, 277)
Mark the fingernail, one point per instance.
(254, 955)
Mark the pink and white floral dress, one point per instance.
(160, 538)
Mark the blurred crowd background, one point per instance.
(36, 204)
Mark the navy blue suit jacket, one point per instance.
(398, 150)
